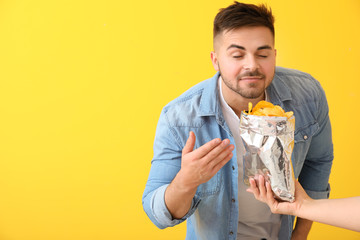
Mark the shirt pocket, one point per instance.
(211, 187)
(302, 140)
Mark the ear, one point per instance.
(275, 52)
(214, 61)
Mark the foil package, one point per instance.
(269, 142)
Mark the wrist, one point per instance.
(182, 183)
(301, 210)
(178, 197)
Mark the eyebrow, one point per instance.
(243, 48)
(264, 47)
(235, 46)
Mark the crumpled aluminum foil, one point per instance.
(269, 142)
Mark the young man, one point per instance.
(197, 173)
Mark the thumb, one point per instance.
(190, 143)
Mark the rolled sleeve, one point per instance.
(165, 164)
(162, 214)
(319, 194)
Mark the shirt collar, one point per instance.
(209, 102)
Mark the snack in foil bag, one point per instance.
(267, 133)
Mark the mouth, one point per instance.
(251, 78)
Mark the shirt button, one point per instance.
(305, 137)
(231, 233)
(233, 200)
(233, 167)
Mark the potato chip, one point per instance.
(264, 108)
(278, 108)
(259, 112)
(263, 104)
(289, 114)
(273, 112)
(250, 107)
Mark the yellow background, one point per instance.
(82, 84)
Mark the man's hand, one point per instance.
(197, 166)
(200, 165)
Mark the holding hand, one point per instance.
(262, 192)
(343, 212)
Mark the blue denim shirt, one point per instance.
(213, 214)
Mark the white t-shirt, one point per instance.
(255, 218)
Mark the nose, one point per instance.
(250, 64)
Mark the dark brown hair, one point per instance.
(240, 15)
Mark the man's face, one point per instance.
(245, 58)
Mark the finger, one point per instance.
(249, 190)
(270, 196)
(218, 154)
(207, 147)
(190, 143)
(269, 193)
(262, 186)
(254, 188)
(222, 163)
(271, 201)
(218, 150)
